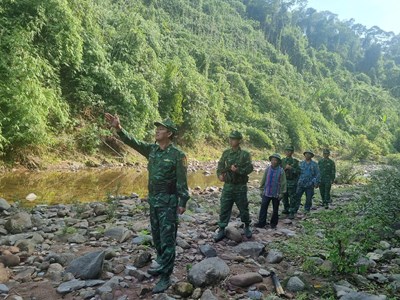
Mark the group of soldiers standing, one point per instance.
(284, 179)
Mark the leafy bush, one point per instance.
(346, 173)
(259, 138)
(89, 138)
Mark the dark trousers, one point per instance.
(309, 191)
(325, 190)
(262, 218)
(164, 225)
(233, 193)
(289, 199)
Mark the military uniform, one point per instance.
(309, 179)
(235, 184)
(167, 190)
(327, 170)
(290, 200)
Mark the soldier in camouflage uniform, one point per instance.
(168, 192)
(233, 169)
(327, 170)
(292, 171)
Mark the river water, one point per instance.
(54, 187)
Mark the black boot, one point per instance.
(220, 235)
(162, 284)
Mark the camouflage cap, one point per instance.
(167, 123)
(289, 148)
(276, 155)
(236, 135)
(309, 151)
(326, 151)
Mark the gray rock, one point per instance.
(317, 261)
(210, 271)
(365, 262)
(362, 296)
(384, 245)
(295, 284)
(208, 251)
(76, 238)
(253, 249)
(208, 295)
(142, 259)
(19, 223)
(88, 266)
(233, 234)
(70, 286)
(4, 289)
(378, 278)
(62, 258)
(26, 245)
(186, 218)
(93, 282)
(360, 280)
(182, 243)
(326, 267)
(255, 295)
(142, 240)
(4, 204)
(119, 233)
(246, 279)
(10, 260)
(54, 272)
(342, 290)
(274, 256)
(196, 293)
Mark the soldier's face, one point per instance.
(326, 155)
(308, 156)
(234, 142)
(288, 153)
(162, 133)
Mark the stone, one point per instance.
(264, 273)
(76, 238)
(182, 243)
(183, 289)
(326, 267)
(19, 223)
(295, 284)
(4, 274)
(26, 245)
(246, 279)
(274, 256)
(54, 272)
(70, 286)
(10, 260)
(362, 296)
(378, 278)
(118, 233)
(88, 266)
(208, 251)
(384, 245)
(196, 293)
(255, 295)
(253, 249)
(142, 259)
(31, 197)
(4, 204)
(209, 271)
(142, 240)
(233, 234)
(208, 295)
(4, 289)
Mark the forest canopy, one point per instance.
(278, 71)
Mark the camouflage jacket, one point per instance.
(327, 168)
(241, 159)
(309, 174)
(292, 175)
(167, 172)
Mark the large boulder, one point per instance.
(19, 223)
(210, 271)
(88, 266)
(253, 249)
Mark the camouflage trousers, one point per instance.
(164, 225)
(233, 193)
(290, 200)
(325, 190)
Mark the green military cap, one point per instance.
(276, 155)
(289, 148)
(326, 151)
(167, 123)
(309, 151)
(236, 135)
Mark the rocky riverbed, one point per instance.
(102, 251)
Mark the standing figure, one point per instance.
(308, 180)
(292, 171)
(273, 186)
(233, 169)
(168, 192)
(327, 168)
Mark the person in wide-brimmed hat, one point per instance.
(273, 186)
(327, 169)
(308, 180)
(168, 192)
(292, 171)
(233, 169)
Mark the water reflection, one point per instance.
(86, 185)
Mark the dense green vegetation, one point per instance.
(280, 72)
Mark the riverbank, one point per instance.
(38, 247)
